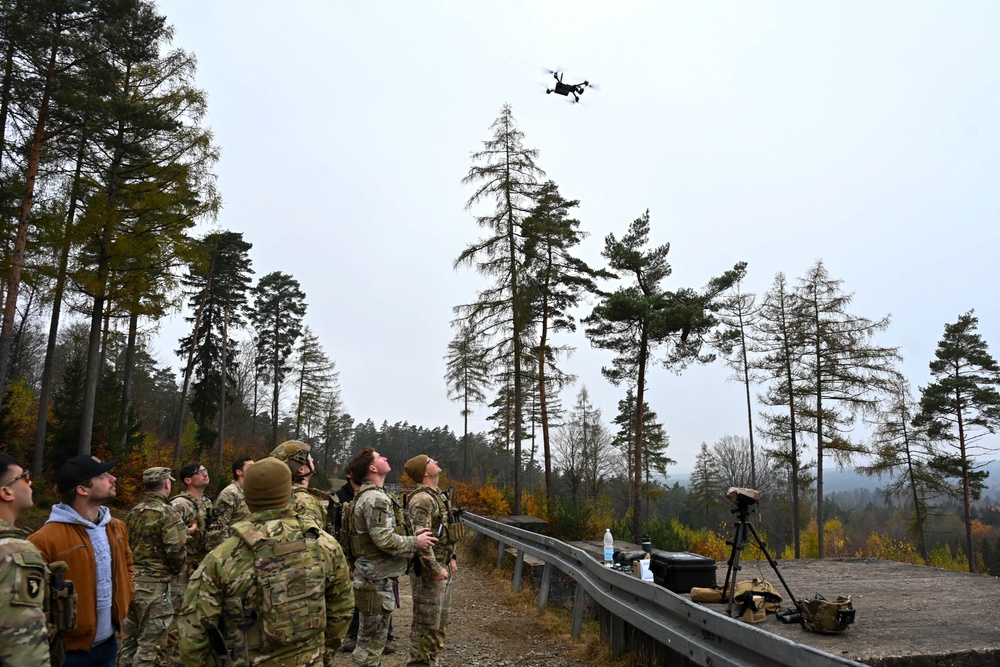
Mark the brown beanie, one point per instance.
(267, 485)
(416, 467)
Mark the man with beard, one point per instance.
(82, 532)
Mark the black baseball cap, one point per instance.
(79, 469)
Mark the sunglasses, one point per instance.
(24, 475)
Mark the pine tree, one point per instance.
(559, 280)
(506, 176)
(844, 372)
(961, 407)
(779, 346)
(278, 308)
(905, 454)
(467, 378)
(654, 441)
(315, 382)
(635, 320)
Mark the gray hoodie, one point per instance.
(62, 513)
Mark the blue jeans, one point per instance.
(101, 655)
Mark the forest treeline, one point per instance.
(106, 171)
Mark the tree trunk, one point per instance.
(45, 393)
(127, 378)
(639, 398)
(223, 367)
(189, 367)
(21, 237)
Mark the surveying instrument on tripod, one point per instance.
(746, 502)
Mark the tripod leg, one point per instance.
(734, 565)
(773, 563)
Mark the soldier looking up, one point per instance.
(157, 536)
(196, 510)
(381, 549)
(24, 576)
(230, 506)
(429, 507)
(259, 594)
(307, 503)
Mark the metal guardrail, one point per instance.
(688, 629)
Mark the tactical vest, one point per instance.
(449, 529)
(290, 586)
(41, 585)
(356, 544)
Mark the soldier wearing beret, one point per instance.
(24, 640)
(158, 537)
(429, 507)
(276, 593)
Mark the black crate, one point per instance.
(681, 571)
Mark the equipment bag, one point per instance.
(745, 590)
(822, 615)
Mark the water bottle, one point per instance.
(609, 548)
(647, 546)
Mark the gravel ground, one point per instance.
(489, 626)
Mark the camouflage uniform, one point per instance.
(429, 508)
(157, 536)
(307, 505)
(24, 634)
(382, 550)
(226, 593)
(194, 509)
(230, 507)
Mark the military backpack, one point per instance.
(291, 587)
(829, 616)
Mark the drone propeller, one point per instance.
(592, 86)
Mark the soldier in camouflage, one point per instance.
(433, 572)
(196, 510)
(157, 536)
(24, 634)
(381, 549)
(307, 503)
(230, 506)
(277, 593)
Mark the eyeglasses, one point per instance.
(203, 471)
(24, 475)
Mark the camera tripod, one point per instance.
(744, 532)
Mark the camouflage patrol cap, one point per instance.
(292, 450)
(267, 485)
(157, 474)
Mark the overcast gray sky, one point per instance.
(863, 134)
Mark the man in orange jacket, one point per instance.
(82, 532)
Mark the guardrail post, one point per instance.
(543, 591)
(499, 553)
(617, 634)
(577, 628)
(518, 567)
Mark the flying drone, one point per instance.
(567, 89)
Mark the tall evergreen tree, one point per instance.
(505, 176)
(155, 154)
(559, 280)
(216, 284)
(467, 378)
(278, 308)
(904, 454)
(779, 347)
(654, 441)
(844, 372)
(635, 320)
(962, 406)
(315, 384)
(707, 487)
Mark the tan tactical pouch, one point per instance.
(706, 595)
(368, 600)
(772, 600)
